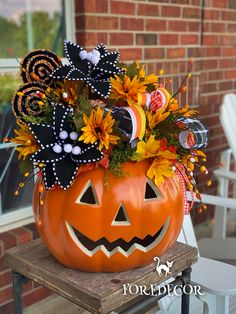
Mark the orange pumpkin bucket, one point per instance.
(95, 228)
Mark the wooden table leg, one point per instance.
(185, 302)
(18, 281)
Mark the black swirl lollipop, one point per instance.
(27, 101)
(38, 65)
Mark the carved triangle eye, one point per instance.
(121, 217)
(152, 192)
(88, 195)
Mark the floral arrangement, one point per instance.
(94, 112)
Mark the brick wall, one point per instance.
(32, 292)
(178, 36)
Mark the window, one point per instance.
(24, 25)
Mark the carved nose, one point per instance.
(121, 217)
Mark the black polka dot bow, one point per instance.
(94, 67)
(60, 151)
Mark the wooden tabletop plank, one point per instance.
(96, 292)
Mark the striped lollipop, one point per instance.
(38, 65)
(27, 102)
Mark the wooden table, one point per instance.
(96, 292)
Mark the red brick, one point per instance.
(209, 64)
(212, 51)
(175, 53)
(232, 4)
(8, 240)
(85, 22)
(229, 52)
(155, 25)
(227, 85)
(151, 68)
(194, 26)
(219, 4)
(1, 248)
(7, 308)
(170, 11)
(91, 6)
(87, 39)
(122, 7)
(131, 54)
(227, 40)
(131, 24)
(209, 88)
(5, 278)
(231, 27)
(230, 74)
(196, 2)
(210, 40)
(195, 52)
(207, 27)
(177, 26)
(107, 22)
(226, 63)
(189, 39)
(169, 39)
(180, 1)
(229, 15)
(27, 287)
(153, 53)
(146, 39)
(102, 38)
(3, 264)
(211, 14)
(218, 27)
(6, 295)
(215, 75)
(192, 13)
(121, 39)
(35, 296)
(148, 9)
(22, 235)
(32, 227)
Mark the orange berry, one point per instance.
(209, 183)
(40, 188)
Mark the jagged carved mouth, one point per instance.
(90, 247)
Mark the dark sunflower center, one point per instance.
(98, 130)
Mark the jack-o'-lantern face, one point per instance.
(95, 227)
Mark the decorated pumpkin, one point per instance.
(114, 152)
(94, 227)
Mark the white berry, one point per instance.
(83, 54)
(96, 53)
(192, 159)
(89, 55)
(64, 95)
(76, 150)
(94, 60)
(57, 148)
(67, 148)
(74, 136)
(63, 135)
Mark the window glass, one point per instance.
(24, 25)
(29, 24)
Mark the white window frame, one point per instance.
(23, 216)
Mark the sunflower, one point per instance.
(126, 89)
(98, 127)
(25, 141)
